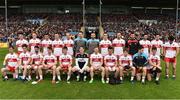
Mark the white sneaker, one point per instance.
(68, 82)
(91, 81)
(107, 81)
(85, 78)
(102, 80)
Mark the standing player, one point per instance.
(118, 45)
(25, 60)
(36, 61)
(92, 43)
(65, 64)
(140, 61)
(80, 41)
(158, 44)
(69, 43)
(146, 44)
(10, 64)
(110, 62)
(34, 42)
(20, 42)
(104, 44)
(96, 61)
(49, 64)
(125, 64)
(171, 50)
(81, 67)
(46, 43)
(155, 65)
(57, 45)
(132, 44)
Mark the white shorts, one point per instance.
(112, 69)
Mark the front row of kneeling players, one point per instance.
(137, 65)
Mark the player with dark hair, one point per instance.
(110, 62)
(140, 61)
(155, 65)
(92, 43)
(170, 51)
(11, 63)
(125, 64)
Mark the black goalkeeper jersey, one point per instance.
(82, 59)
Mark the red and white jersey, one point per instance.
(45, 44)
(170, 49)
(57, 45)
(146, 45)
(65, 59)
(49, 59)
(11, 59)
(33, 43)
(24, 56)
(19, 44)
(158, 44)
(118, 45)
(110, 60)
(69, 44)
(36, 58)
(96, 59)
(104, 44)
(154, 59)
(125, 60)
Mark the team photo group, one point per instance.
(138, 60)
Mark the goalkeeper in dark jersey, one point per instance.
(140, 61)
(81, 64)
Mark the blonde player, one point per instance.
(118, 45)
(10, 64)
(69, 43)
(96, 62)
(25, 60)
(34, 42)
(110, 62)
(20, 42)
(171, 50)
(45, 44)
(104, 44)
(125, 64)
(57, 45)
(65, 62)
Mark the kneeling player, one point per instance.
(81, 67)
(36, 61)
(65, 65)
(49, 64)
(25, 60)
(110, 62)
(96, 61)
(10, 64)
(125, 64)
(140, 61)
(155, 67)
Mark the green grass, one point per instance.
(168, 89)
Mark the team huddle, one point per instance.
(116, 59)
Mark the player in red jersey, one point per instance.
(20, 42)
(36, 61)
(96, 61)
(110, 62)
(125, 64)
(49, 64)
(155, 65)
(25, 60)
(170, 51)
(65, 65)
(34, 42)
(10, 64)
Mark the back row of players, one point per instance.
(109, 59)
